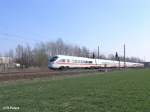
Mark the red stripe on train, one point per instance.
(75, 64)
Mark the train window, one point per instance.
(87, 61)
(68, 60)
(74, 61)
(53, 59)
(78, 61)
(84, 61)
(62, 60)
(90, 61)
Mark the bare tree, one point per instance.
(84, 52)
(11, 53)
(19, 55)
(77, 51)
(28, 56)
(111, 57)
(40, 55)
(102, 56)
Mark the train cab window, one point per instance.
(53, 58)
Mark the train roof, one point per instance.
(84, 58)
(66, 56)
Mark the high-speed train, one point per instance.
(63, 61)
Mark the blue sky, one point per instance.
(108, 23)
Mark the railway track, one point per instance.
(39, 74)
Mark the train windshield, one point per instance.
(53, 58)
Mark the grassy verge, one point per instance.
(126, 91)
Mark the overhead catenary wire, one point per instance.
(17, 38)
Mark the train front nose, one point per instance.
(50, 65)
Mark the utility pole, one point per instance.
(98, 52)
(124, 56)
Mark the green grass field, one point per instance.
(120, 91)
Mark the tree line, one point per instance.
(38, 56)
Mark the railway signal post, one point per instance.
(118, 59)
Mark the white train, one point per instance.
(63, 61)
